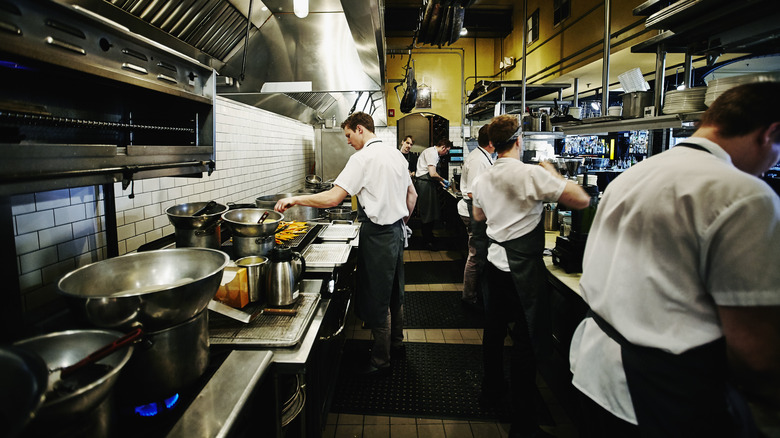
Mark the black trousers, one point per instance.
(504, 314)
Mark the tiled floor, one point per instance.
(370, 426)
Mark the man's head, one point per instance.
(504, 131)
(483, 139)
(358, 128)
(745, 121)
(407, 144)
(443, 146)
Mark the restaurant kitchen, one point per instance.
(115, 111)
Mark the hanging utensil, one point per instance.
(66, 377)
(446, 27)
(410, 94)
(435, 23)
(457, 25)
(426, 21)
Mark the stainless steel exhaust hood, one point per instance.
(310, 69)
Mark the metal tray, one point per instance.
(340, 232)
(326, 255)
(299, 238)
(265, 330)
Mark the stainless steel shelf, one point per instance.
(645, 123)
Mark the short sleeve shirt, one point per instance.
(377, 174)
(428, 157)
(511, 194)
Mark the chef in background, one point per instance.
(680, 273)
(377, 175)
(510, 196)
(427, 182)
(478, 161)
(406, 148)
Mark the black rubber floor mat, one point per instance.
(440, 309)
(434, 272)
(431, 381)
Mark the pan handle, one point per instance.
(103, 352)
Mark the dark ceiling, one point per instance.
(483, 18)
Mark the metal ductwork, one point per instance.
(310, 69)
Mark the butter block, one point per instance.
(234, 288)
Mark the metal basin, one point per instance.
(339, 213)
(181, 216)
(243, 222)
(23, 377)
(62, 349)
(298, 213)
(158, 289)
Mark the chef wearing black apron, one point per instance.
(510, 197)
(377, 175)
(680, 274)
(427, 182)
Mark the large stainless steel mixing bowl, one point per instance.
(243, 222)
(62, 349)
(181, 216)
(158, 289)
(23, 379)
(300, 213)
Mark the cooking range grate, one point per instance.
(326, 254)
(265, 330)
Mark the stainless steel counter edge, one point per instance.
(293, 359)
(216, 408)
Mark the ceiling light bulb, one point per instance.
(463, 31)
(301, 8)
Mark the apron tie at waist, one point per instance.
(682, 395)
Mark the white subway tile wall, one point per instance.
(257, 153)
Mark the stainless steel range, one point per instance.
(87, 101)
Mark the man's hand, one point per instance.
(550, 168)
(284, 203)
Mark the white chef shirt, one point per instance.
(428, 157)
(476, 162)
(511, 194)
(377, 174)
(672, 237)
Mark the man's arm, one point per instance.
(573, 195)
(411, 200)
(478, 214)
(433, 174)
(327, 199)
(753, 345)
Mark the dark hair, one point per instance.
(444, 142)
(410, 138)
(358, 118)
(743, 109)
(483, 139)
(501, 130)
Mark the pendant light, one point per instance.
(301, 8)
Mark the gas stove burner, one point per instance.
(157, 408)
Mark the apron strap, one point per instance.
(694, 146)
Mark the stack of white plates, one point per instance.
(717, 86)
(684, 101)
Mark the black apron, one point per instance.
(682, 395)
(427, 198)
(529, 275)
(380, 269)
